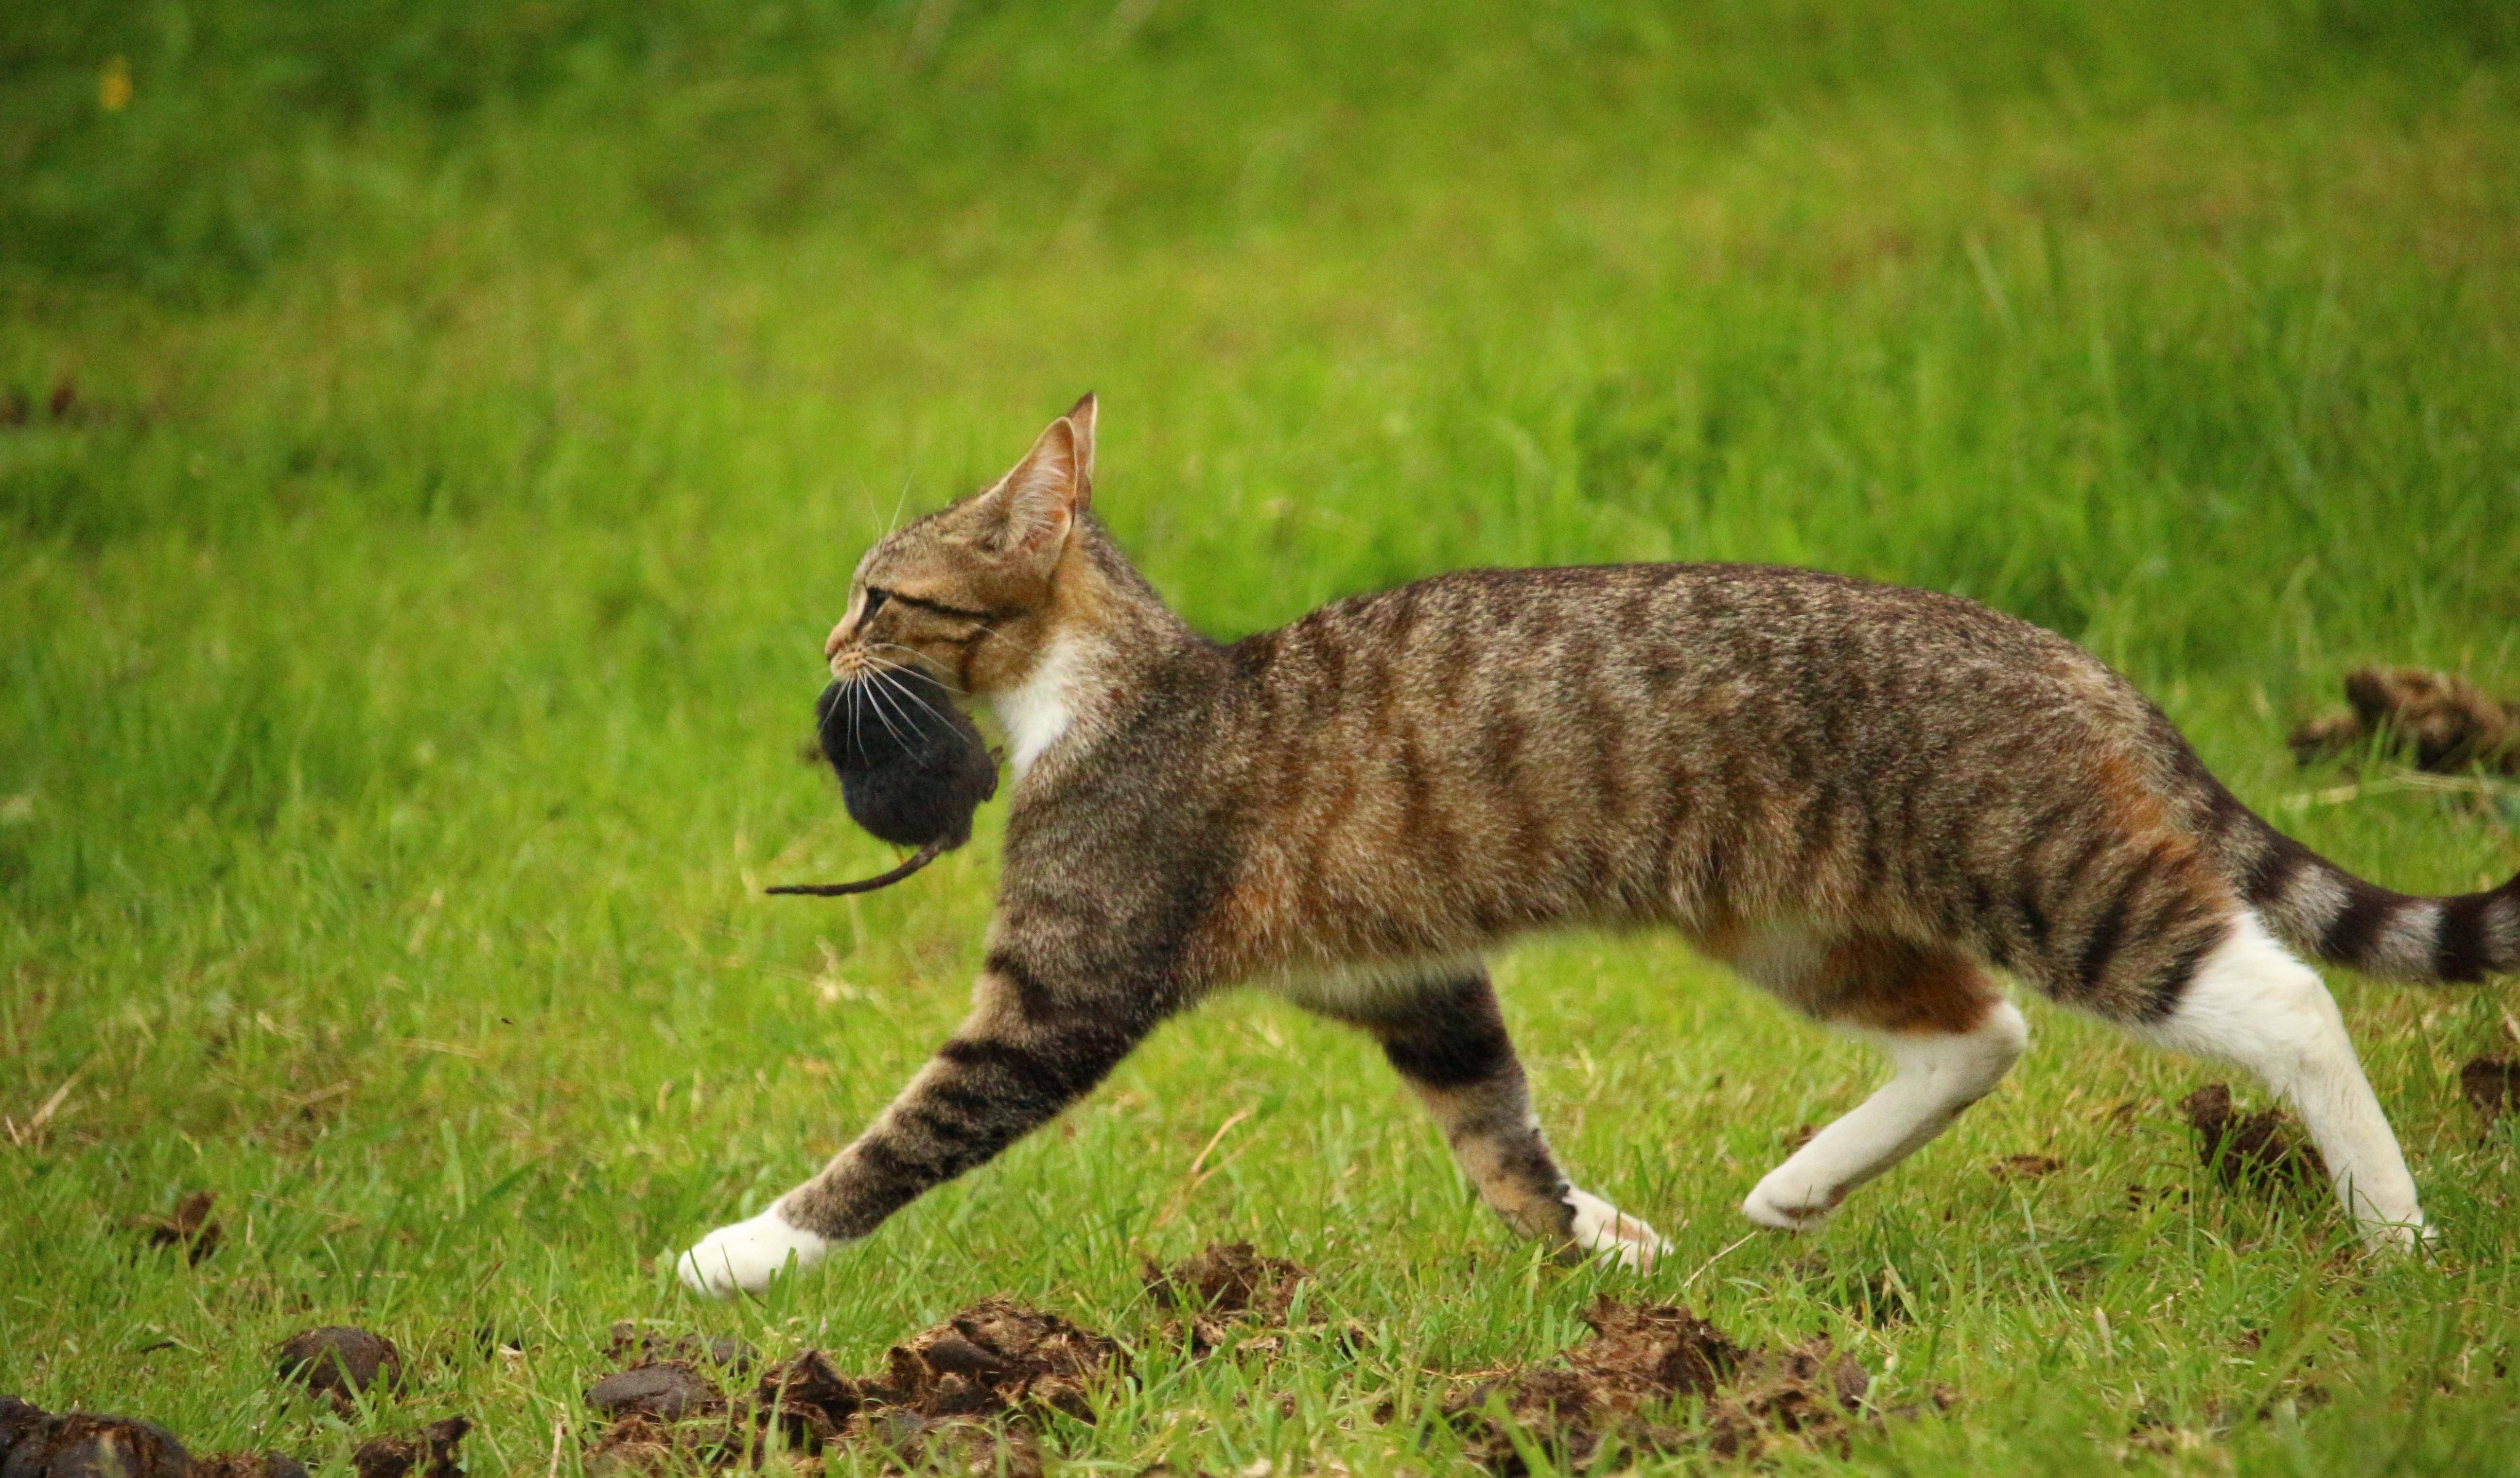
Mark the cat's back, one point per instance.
(1492, 749)
(1652, 632)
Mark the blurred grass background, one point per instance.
(437, 437)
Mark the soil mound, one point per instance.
(2493, 1086)
(958, 1397)
(1624, 1389)
(2262, 1152)
(338, 1362)
(436, 1451)
(2449, 721)
(1225, 1284)
(190, 1227)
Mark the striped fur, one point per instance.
(2323, 910)
(1865, 797)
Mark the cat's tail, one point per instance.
(2321, 909)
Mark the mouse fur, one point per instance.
(913, 768)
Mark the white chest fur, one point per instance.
(1037, 712)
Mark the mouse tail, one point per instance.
(919, 859)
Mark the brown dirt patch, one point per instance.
(1225, 1284)
(2493, 1086)
(996, 1355)
(2025, 1167)
(436, 1451)
(959, 1396)
(667, 1390)
(337, 1362)
(2262, 1152)
(38, 1444)
(190, 1227)
(2450, 721)
(248, 1465)
(632, 1345)
(1621, 1390)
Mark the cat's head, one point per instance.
(972, 591)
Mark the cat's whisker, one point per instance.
(887, 671)
(887, 708)
(863, 682)
(875, 647)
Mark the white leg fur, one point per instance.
(2254, 1005)
(1937, 1077)
(1604, 1229)
(748, 1254)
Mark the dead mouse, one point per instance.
(911, 768)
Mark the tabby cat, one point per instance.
(1867, 800)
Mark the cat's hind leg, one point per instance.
(2251, 1002)
(1948, 1031)
(1447, 1039)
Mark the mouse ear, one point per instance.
(1041, 499)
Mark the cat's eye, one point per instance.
(875, 599)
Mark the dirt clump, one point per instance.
(436, 1451)
(2450, 722)
(2493, 1086)
(1809, 1391)
(630, 1344)
(338, 1362)
(190, 1227)
(960, 1444)
(957, 1396)
(664, 1415)
(667, 1390)
(2025, 1167)
(1639, 1357)
(39, 1444)
(1225, 1284)
(995, 1356)
(20, 1421)
(2250, 1151)
(807, 1400)
(1618, 1391)
(248, 1465)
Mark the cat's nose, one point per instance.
(831, 643)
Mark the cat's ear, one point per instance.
(1081, 417)
(1040, 501)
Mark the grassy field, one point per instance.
(410, 616)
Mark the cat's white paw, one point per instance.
(747, 1255)
(1606, 1230)
(1789, 1205)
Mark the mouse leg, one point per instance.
(1448, 1042)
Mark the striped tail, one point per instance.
(2323, 910)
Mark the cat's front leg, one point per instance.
(1030, 1047)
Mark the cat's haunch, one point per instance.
(911, 768)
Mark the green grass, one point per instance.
(405, 648)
